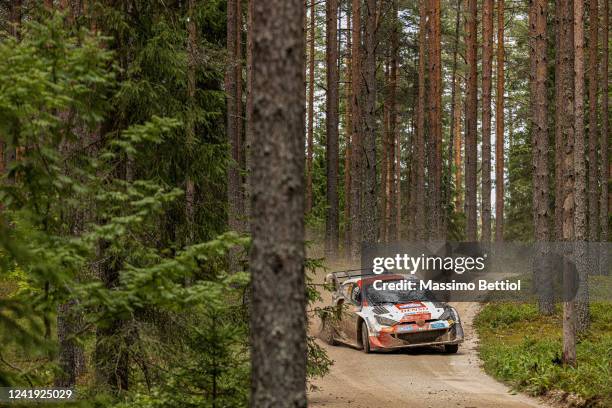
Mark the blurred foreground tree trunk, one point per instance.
(278, 313)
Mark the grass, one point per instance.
(523, 348)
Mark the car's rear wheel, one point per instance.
(328, 332)
(365, 337)
(451, 348)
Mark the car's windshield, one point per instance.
(380, 295)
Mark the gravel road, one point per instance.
(415, 378)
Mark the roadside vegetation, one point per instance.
(523, 348)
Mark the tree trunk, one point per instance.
(331, 221)
(499, 127)
(605, 164)
(192, 61)
(311, 82)
(471, 107)
(278, 375)
(539, 119)
(384, 160)
(398, 186)
(356, 149)
(233, 123)
(369, 230)
(593, 136)
(435, 119)
(239, 115)
(420, 129)
(393, 207)
(457, 152)
(454, 108)
(436, 114)
(348, 139)
(487, 71)
(248, 131)
(564, 140)
(564, 117)
(580, 187)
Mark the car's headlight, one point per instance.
(449, 313)
(385, 321)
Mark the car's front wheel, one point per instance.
(451, 348)
(365, 337)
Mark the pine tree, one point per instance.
(311, 87)
(604, 145)
(420, 130)
(580, 186)
(356, 138)
(279, 367)
(593, 175)
(369, 230)
(471, 106)
(539, 120)
(499, 126)
(487, 70)
(332, 102)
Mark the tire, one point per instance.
(328, 332)
(451, 348)
(365, 338)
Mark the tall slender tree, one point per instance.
(487, 71)
(420, 129)
(332, 103)
(564, 140)
(369, 230)
(580, 186)
(348, 132)
(605, 162)
(499, 126)
(248, 131)
(277, 255)
(311, 87)
(564, 116)
(539, 120)
(192, 62)
(452, 148)
(471, 106)
(435, 117)
(393, 206)
(385, 161)
(593, 71)
(235, 199)
(356, 138)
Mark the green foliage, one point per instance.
(523, 348)
(66, 213)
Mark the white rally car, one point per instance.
(375, 319)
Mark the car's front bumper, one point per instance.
(417, 337)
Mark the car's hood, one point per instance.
(405, 312)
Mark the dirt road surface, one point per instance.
(414, 378)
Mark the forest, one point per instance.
(173, 174)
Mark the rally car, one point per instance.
(370, 319)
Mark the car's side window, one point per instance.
(356, 295)
(346, 291)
